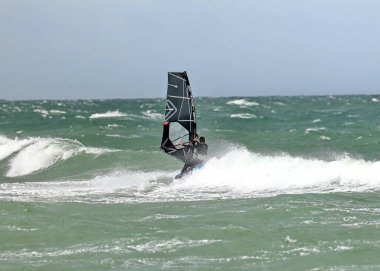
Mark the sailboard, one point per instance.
(179, 127)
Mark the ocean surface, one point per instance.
(291, 183)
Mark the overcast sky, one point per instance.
(68, 49)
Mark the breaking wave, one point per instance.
(34, 154)
(237, 174)
(243, 116)
(242, 102)
(244, 172)
(148, 114)
(109, 114)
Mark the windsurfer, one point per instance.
(180, 108)
(199, 151)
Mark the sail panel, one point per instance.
(179, 101)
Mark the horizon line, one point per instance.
(195, 97)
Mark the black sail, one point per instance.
(179, 101)
(179, 108)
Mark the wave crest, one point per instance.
(35, 154)
(244, 172)
(237, 174)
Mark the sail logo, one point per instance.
(171, 109)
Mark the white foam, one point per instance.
(325, 137)
(115, 135)
(239, 173)
(343, 248)
(43, 112)
(243, 116)
(122, 136)
(35, 154)
(9, 146)
(93, 150)
(113, 126)
(349, 123)
(316, 129)
(289, 240)
(120, 182)
(57, 112)
(375, 100)
(170, 245)
(108, 114)
(242, 102)
(115, 247)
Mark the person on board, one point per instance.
(198, 154)
(201, 149)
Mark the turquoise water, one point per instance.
(291, 183)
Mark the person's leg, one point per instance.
(185, 170)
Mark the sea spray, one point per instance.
(237, 174)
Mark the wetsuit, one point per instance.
(198, 152)
(201, 150)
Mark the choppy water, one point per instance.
(291, 183)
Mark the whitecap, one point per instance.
(115, 135)
(109, 114)
(57, 112)
(349, 123)
(242, 102)
(170, 245)
(289, 240)
(243, 116)
(43, 112)
(113, 126)
(316, 129)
